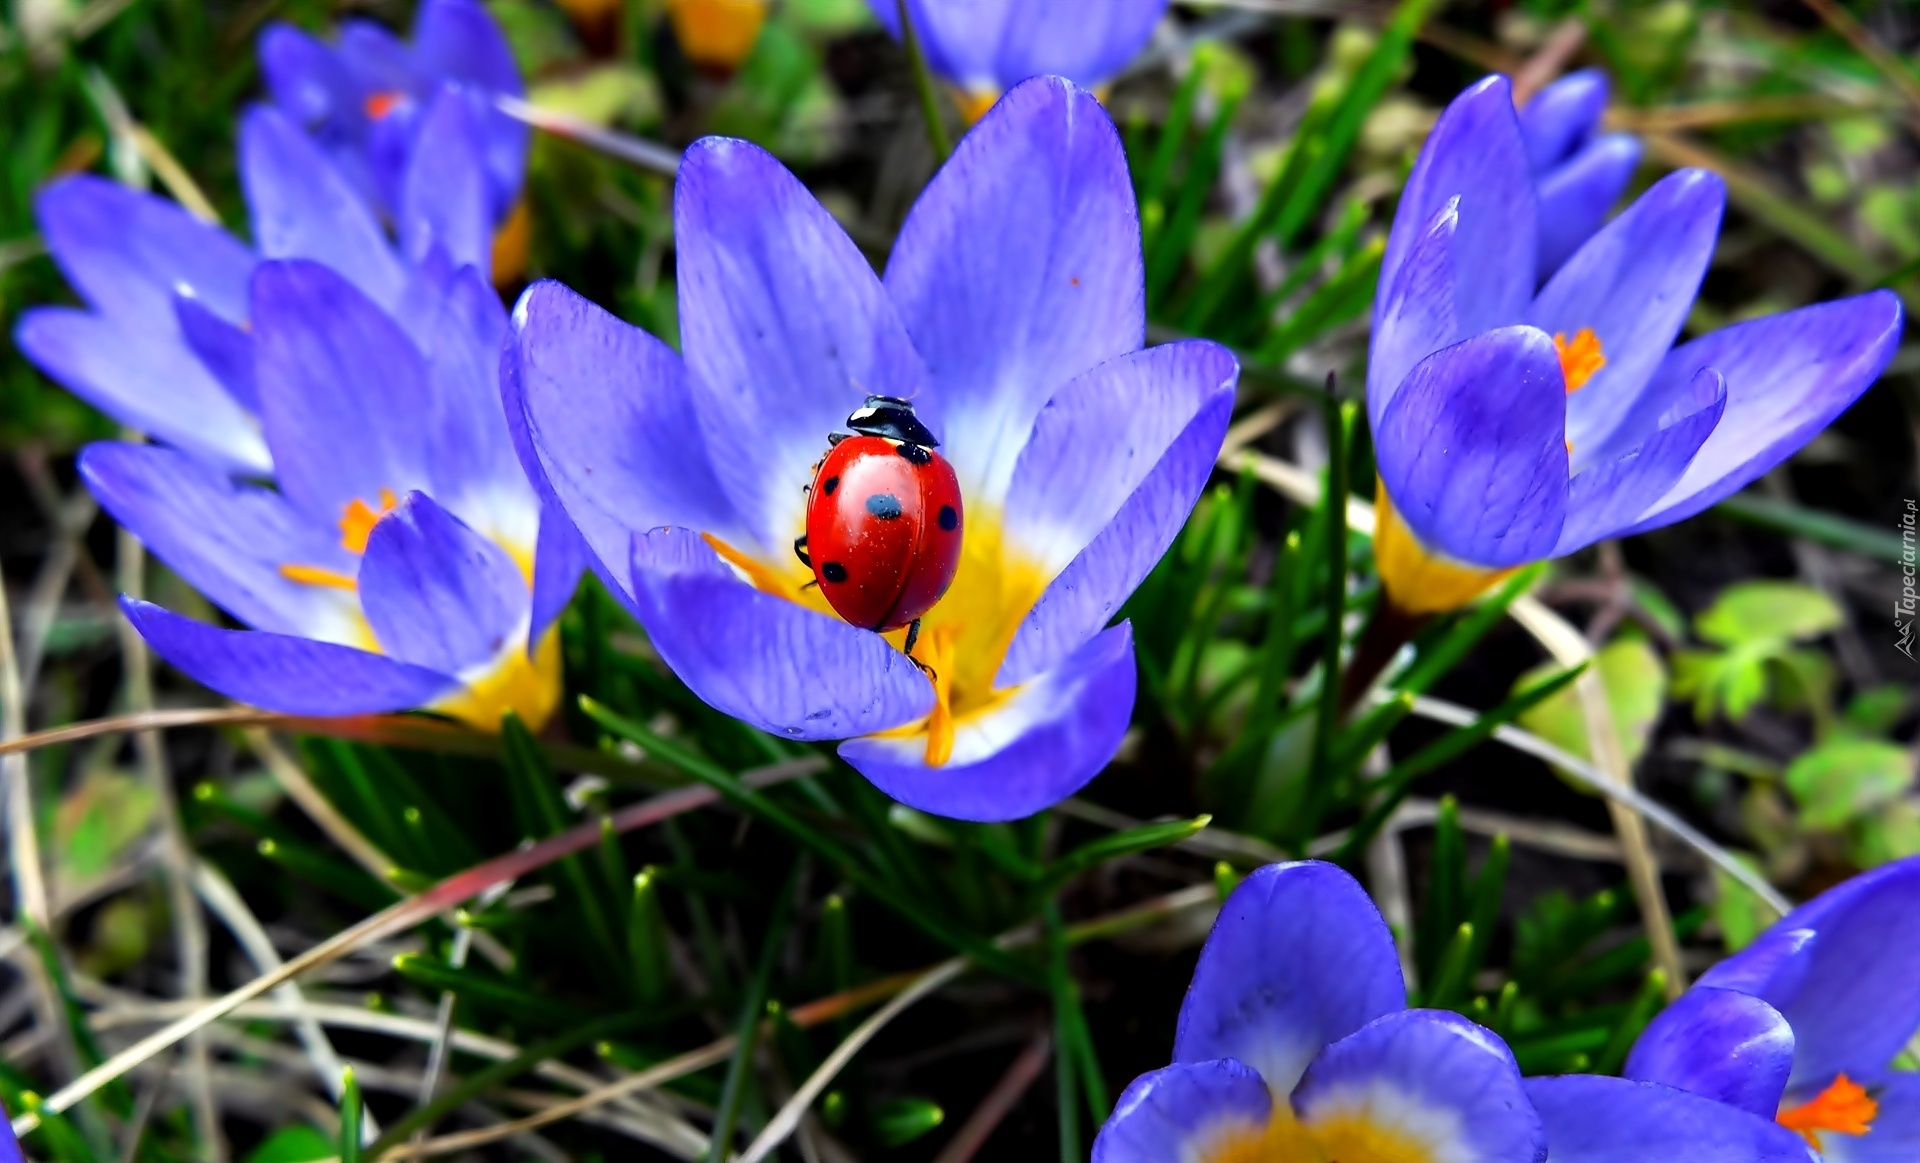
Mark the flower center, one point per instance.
(380, 105)
(356, 525)
(1580, 357)
(1843, 1108)
(964, 638)
(1348, 1137)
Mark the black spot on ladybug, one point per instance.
(915, 453)
(885, 506)
(833, 571)
(831, 483)
(948, 518)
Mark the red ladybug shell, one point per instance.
(883, 530)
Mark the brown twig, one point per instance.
(1545, 64)
(1000, 1101)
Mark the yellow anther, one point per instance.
(1844, 1108)
(1580, 357)
(974, 103)
(313, 575)
(939, 656)
(379, 105)
(764, 579)
(356, 524)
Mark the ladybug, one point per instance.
(883, 520)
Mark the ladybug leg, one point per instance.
(800, 551)
(913, 639)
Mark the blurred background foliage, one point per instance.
(1749, 657)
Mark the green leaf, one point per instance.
(294, 1145)
(1141, 839)
(1874, 712)
(1739, 911)
(1843, 779)
(903, 1120)
(1636, 686)
(1767, 611)
(1892, 833)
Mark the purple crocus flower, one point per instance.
(987, 46)
(1578, 171)
(1804, 1025)
(1295, 1045)
(1512, 426)
(390, 568)
(1012, 314)
(364, 97)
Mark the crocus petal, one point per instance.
(1561, 118)
(1590, 1119)
(1415, 316)
(1433, 1083)
(146, 381)
(1018, 269)
(228, 540)
(1100, 437)
(1607, 497)
(1190, 1112)
(1299, 958)
(1850, 993)
(1472, 452)
(436, 593)
(558, 561)
(377, 59)
(1045, 742)
(775, 664)
(226, 351)
(603, 421)
(784, 325)
(446, 201)
(344, 399)
(1632, 286)
(128, 253)
(1718, 1044)
(279, 672)
(1788, 377)
(1476, 154)
(307, 80)
(1090, 590)
(457, 40)
(1895, 1137)
(303, 208)
(1086, 44)
(1575, 197)
(961, 41)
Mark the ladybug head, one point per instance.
(893, 418)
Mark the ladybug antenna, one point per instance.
(893, 418)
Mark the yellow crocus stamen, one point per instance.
(527, 686)
(1843, 1108)
(939, 657)
(380, 105)
(764, 579)
(1581, 357)
(717, 34)
(356, 524)
(313, 575)
(974, 103)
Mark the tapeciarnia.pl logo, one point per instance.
(1904, 606)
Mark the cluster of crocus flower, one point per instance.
(365, 97)
(1295, 1045)
(400, 560)
(1012, 315)
(984, 47)
(1515, 421)
(1811, 1026)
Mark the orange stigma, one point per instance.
(356, 524)
(379, 105)
(1580, 357)
(1844, 1108)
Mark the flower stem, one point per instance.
(923, 84)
